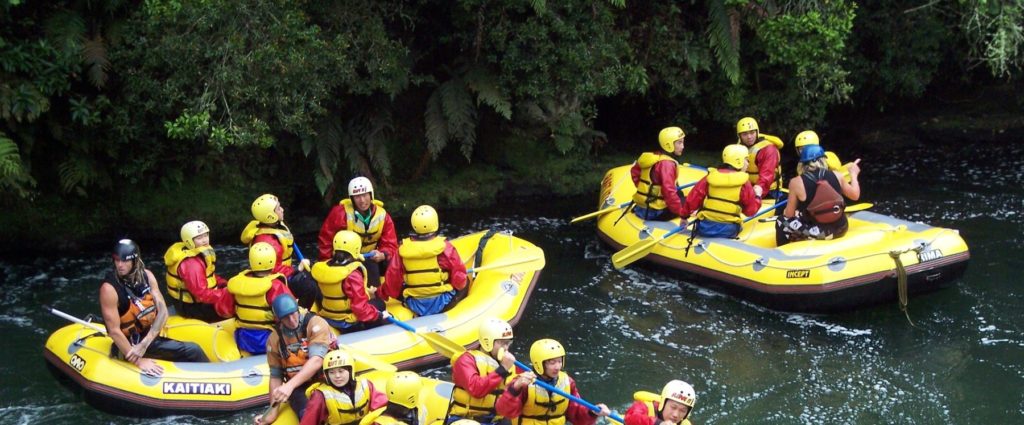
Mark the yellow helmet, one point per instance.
(262, 257)
(493, 329)
(679, 391)
(668, 136)
(404, 389)
(338, 358)
(359, 186)
(348, 241)
(263, 209)
(545, 349)
(192, 229)
(734, 155)
(805, 138)
(424, 220)
(746, 124)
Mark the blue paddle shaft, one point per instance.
(555, 390)
(298, 252)
(402, 324)
(766, 209)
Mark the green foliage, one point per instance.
(995, 31)
(13, 177)
(721, 35)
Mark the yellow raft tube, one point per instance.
(508, 271)
(879, 260)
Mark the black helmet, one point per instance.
(126, 250)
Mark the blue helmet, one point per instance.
(811, 153)
(284, 305)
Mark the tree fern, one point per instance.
(76, 173)
(97, 63)
(435, 124)
(460, 113)
(489, 92)
(720, 36)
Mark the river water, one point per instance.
(962, 361)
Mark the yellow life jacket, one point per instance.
(342, 410)
(370, 234)
(763, 141)
(543, 407)
(335, 304)
(723, 201)
(177, 253)
(469, 407)
(283, 235)
(251, 307)
(649, 398)
(424, 277)
(649, 195)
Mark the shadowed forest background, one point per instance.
(124, 117)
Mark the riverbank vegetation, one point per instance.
(120, 117)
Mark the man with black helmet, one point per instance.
(296, 349)
(134, 313)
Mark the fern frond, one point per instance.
(96, 60)
(489, 92)
(435, 124)
(10, 159)
(720, 37)
(539, 6)
(76, 173)
(380, 125)
(460, 112)
(66, 30)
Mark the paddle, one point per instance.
(74, 319)
(599, 213)
(438, 342)
(368, 359)
(616, 207)
(587, 404)
(859, 207)
(530, 263)
(632, 253)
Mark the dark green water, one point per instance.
(635, 329)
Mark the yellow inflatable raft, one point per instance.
(879, 258)
(507, 271)
(434, 397)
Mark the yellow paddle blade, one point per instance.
(598, 213)
(859, 207)
(443, 346)
(372, 416)
(368, 359)
(630, 254)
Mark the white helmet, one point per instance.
(679, 391)
(493, 329)
(192, 229)
(359, 186)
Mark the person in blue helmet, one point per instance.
(298, 344)
(817, 200)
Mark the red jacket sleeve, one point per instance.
(277, 287)
(393, 279)
(279, 267)
(334, 222)
(377, 398)
(316, 410)
(577, 413)
(767, 160)
(634, 173)
(696, 198)
(388, 243)
(353, 287)
(510, 403)
(193, 272)
(666, 177)
(449, 260)
(749, 200)
(637, 415)
(466, 376)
